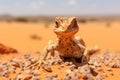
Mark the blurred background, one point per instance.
(57, 7)
(27, 24)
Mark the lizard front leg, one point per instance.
(87, 51)
(49, 49)
(81, 44)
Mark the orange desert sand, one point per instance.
(18, 35)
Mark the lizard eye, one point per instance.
(56, 24)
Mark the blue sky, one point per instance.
(60, 7)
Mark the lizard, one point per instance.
(67, 45)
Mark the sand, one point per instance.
(19, 36)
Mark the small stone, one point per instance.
(100, 77)
(47, 68)
(72, 67)
(28, 77)
(87, 76)
(85, 69)
(4, 78)
(91, 61)
(68, 71)
(36, 72)
(18, 77)
(48, 78)
(16, 60)
(12, 70)
(67, 77)
(75, 76)
(109, 69)
(28, 55)
(97, 64)
(35, 78)
(28, 63)
(55, 75)
(62, 65)
(5, 73)
(100, 69)
(111, 73)
(15, 64)
(92, 66)
(33, 60)
(106, 62)
(68, 63)
(55, 79)
(27, 71)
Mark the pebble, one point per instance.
(85, 69)
(5, 73)
(12, 70)
(4, 78)
(100, 77)
(72, 67)
(28, 71)
(28, 63)
(33, 60)
(47, 68)
(100, 69)
(55, 75)
(15, 64)
(109, 69)
(68, 63)
(75, 76)
(97, 64)
(111, 73)
(18, 77)
(36, 72)
(48, 78)
(62, 65)
(28, 77)
(35, 78)
(67, 77)
(27, 56)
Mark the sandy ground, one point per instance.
(18, 35)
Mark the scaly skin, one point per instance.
(67, 45)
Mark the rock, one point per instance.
(67, 77)
(35, 78)
(72, 67)
(48, 78)
(5, 49)
(55, 75)
(47, 68)
(100, 77)
(28, 77)
(27, 63)
(18, 77)
(85, 69)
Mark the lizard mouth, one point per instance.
(64, 29)
(61, 32)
